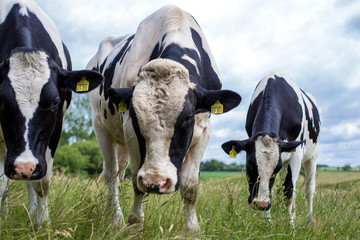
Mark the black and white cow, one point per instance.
(168, 80)
(35, 91)
(283, 126)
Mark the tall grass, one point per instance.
(77, 212)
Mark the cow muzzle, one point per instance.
(157, 185)
(25, 171)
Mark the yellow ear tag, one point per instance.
(217, 108)
(232, 153)
(82, 85)
(122, 106)
(294, 150)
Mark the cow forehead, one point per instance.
(159, 94)
(267, 155)
(28, 73)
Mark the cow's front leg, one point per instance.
(37, 195)
(4, 181)
(137, 213)
(310, 172)
(290, 183)
(189, 175)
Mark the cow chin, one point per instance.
(159, 181)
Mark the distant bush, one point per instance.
(81, 157)
(215, 165)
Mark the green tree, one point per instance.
(81, 157)
(92, 155)
(346, 168)
(69, 160)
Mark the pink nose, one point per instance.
(24, 170)
(156, 186)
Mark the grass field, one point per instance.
(77, 211)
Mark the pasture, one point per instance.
(77, 211)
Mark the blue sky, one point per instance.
(316, 43)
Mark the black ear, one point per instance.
(289, 146)
(80, 81)
(238, 145)
(118, 95)
(207, 98)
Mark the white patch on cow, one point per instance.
(267, 157)
(158, 99)
(48, 24)
(28, 73)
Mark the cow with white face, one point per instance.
(35, 91)
(164, 81)
(283, 126)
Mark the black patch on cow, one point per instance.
(183, 132)
(313, 123)
(209, 78)
(252, 174)
(25, 31)
(105, 114)
(275, 111)
(12, 124)
(45, 116)
(109, 72)
(140, 138)
(288, 184)
(202, 74)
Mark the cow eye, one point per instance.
(188, 120)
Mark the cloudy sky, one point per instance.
(317, 43)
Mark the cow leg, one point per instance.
(310, 172)
(32, 198)
(37, 195)
(108, 148)
(290, 183)
(137, 213)
(189, 175)
(4, 181)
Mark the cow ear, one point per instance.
(238, 146)
(207, 99)
(289, 146)
(80, 81)
(118, 95)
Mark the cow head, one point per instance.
(32, 94)
(263, 162)
(162, 107)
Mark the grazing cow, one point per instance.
(164, 81)
(283, 126)
(35, 91)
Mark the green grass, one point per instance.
(77, 211)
